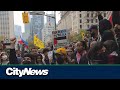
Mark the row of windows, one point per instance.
(87, 26)
(4, 17)
(4, 28)
(4, 32)
(4, 24)
(5, 36)
(3, 12)
(88, 15)
(96, 20)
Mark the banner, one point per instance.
(60, 38)
(38, 42)
(60, 72)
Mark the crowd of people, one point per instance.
(101, 46)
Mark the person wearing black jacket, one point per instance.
(105, 27)
(12, 56)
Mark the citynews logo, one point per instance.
(26, 71)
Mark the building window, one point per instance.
(104, 14)
(80, 26)
(96, 14)
(88, 26)
(80, 16)
(80, 20)
(91, 20)
(87, 20)
(96, 20)
(91, 14)
(80, 11)
(87, 14)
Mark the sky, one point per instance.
(18, 18)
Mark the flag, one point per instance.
(110, 17)
(55, 42)
(38, 42)
(21, 41)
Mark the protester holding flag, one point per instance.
(38, 42)
(23, 42)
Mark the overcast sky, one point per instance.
(18, 17)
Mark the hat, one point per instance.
(93, 27)
(61, 51)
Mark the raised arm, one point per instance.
(12, 57)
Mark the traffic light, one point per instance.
(25, 17)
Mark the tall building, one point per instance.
(74, 21)
(27, 30)
(26, 34)
(6, 25)
(37, 24)
(48, 28)
(44, 34)
(17, 31)
(63, 13)
(65, 21)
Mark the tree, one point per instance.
(82, 34)
(73, 37)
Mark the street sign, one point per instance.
(60, 38)
(37, 13)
